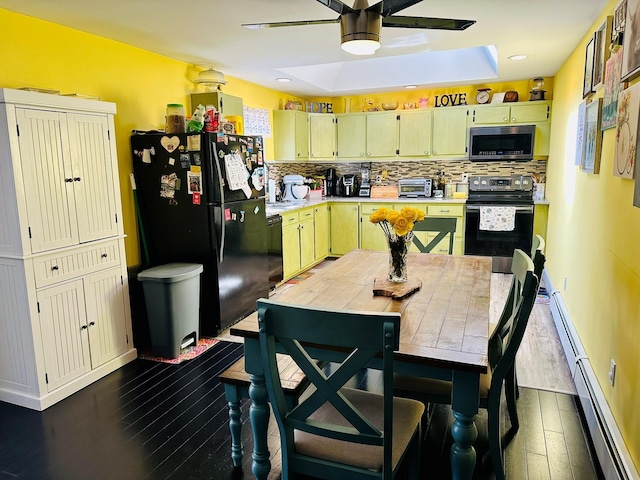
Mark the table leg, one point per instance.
(259, 417)
(464, 402)
(463, 455)
(235, 424)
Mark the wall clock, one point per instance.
(483, 95)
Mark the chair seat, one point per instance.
(406, 419)
(434, 387)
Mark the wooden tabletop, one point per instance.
(444, 324)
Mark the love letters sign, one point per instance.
(451, 100)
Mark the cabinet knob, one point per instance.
(362, 154)
(104, 255)
(435, 151)
(68, 180)
(505, 119)
(55, 267)
(91, 324)
(76, 179)
(84, 327)
(513, 119)
(426, 152)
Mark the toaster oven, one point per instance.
(414, 187)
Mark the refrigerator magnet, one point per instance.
(193, 143)
(170, 143)
(258, 141)
(196, 198)
(195, 182)
(185, 162)
(172, 161)
(227, 214)
(250, 144)
(260, 160)
(195, 159)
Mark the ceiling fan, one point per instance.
(360, 25)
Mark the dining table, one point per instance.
(444, 330)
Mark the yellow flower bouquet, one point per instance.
(398, 229)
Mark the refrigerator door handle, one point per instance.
(223, 233)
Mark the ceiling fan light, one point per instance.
(361, 47)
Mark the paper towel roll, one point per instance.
(272, 191)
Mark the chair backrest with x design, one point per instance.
(444, 227)
(357, 339)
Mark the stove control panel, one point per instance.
(500, 183)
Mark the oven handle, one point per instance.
(525, 208)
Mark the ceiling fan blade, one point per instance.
(289, 24)
(337, 6)
(427, 22)
(389, 7)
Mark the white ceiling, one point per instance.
(208, 32)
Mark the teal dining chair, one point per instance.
(502, 349)
(444, 227)
(338, 432)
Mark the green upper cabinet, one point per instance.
(532, 113)
(449, 138)
(227, 104)
(367, 135)
(291, 135)
(322, 136)
(414, 133)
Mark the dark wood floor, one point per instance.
(157, 421)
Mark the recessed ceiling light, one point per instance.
(283, 80)
(409, 87)
(517, 57)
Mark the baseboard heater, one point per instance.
(613, 456)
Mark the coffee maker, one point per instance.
(348, 186)
(331, 183)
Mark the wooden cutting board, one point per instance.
(379, 191)
(384, 288)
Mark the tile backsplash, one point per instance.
(396, 170)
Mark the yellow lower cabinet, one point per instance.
(344, 227)
(290, 250)
(322, 230)
(442, 247)
(306, 233)
(371, 235)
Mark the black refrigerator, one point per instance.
(201, 198)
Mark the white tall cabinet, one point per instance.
(64, 302)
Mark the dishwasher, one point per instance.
(274, 250)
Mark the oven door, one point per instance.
(498, 244)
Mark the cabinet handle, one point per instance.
(513, 119)
(505, 119)
(68, 180)
(55, 267)
(104, 255)
(76, 179)
(84, 327)
(426, 152)
(444, 211)
(91, 324)
(435, 151)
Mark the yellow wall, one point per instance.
(40, 54)
(593, 242)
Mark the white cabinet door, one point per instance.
(93, 185)
(106, 315)
(63, 325)
(68, 177)
(48, 179)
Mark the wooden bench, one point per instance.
(236, 387)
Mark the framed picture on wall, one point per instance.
(617, 30)
(592, 137)
(590, 51)
(602, 52)
(582, 113)
(626, 132)
(631, 41)
(612, 87)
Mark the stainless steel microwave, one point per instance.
(501, 143)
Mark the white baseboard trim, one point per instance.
(613, 456)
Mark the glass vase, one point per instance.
(398, 249)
